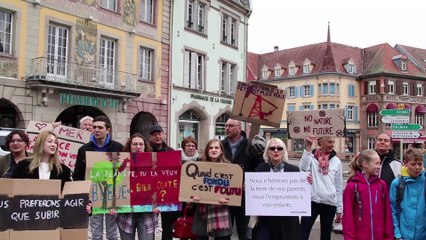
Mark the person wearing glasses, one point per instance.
(327, 187)
(143, 223)
(16, 142)
(45, 162)
(390, 166)
(276, 227)
(189, 149)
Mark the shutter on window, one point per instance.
(398, 87)
(300, 108)
(311, 90)
(186, 69)
(296, 91)
(193, 71)
(346, 111)
(356, 113)
(311, 107)
(302, 91)
(424, 90)
(366, 87)
(386, 86)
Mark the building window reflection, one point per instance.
(189, 123)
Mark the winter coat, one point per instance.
(326, 188)
(80, 163)
(369, 216)
(279, 227)
(21, 171)
(242, 157)
(390, 167)
(411, 224)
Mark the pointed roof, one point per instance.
(417, 55)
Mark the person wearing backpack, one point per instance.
(407, 197)
(366, 207)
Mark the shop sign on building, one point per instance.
(91, 101)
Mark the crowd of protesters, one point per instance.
(384, 197)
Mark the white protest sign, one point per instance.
(277, 194)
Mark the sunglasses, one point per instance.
(276, 148)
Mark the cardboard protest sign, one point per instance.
(39, 211)
(210, 181)
(277, 194)
(319, 123)
(259, 103)
(134, 182)
(70, 140)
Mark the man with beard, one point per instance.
(390, 165)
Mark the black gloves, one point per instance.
(257, 146)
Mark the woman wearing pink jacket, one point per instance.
(366, 208)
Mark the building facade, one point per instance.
(62, 60)
(360, 81)
(209, 42)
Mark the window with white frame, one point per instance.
(264, 74)
(194, 67)
(306, 107)
(350, 113)
(147, 11)
(403, 64)
(419, 89)
(146, 57)
(372, 119)
(372, 87)
(110, 5)
(277, 72)
(6, 32)
(323, 106)
(391, 87)
(332, 88)
(229, 30)
(291, 71)
(333, 106)
(196, 16)
(351, 90)
(325, 88)
(371, 143)
(57, 50)
(420, 118)
(107, 55)
(291, 92)
(306, 91)
(228, 79)
(306, 68)
(351, 68)
(405, 88)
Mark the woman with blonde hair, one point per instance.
(276, 227)
(45, 162)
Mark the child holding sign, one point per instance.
(213, 220)
(366, 200)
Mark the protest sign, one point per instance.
(70, 140)
(259, 103)
(41, 211)
(277, 194)
(319, 123)
(134, 182)
(210, 181)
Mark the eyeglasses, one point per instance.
(190, 145)
(276, 148)
(138, 144)
(16, 141)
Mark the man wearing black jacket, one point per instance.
(235, 145)
(158, 145)
(100, 141)
(390, 165)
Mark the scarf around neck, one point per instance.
(323, 161)
(186, 158)
(217, 217)
(277, 168)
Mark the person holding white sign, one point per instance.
(213, 220)
(276, 227)
(327, 187)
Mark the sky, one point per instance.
(359, 23)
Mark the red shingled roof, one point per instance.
(416, 54)
(252, 66)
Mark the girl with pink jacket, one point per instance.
(366, 208)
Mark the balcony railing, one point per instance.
(82, 75)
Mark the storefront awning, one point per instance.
(372, 108)
(407, 106)
(421, 109)
(391, 106)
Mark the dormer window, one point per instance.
(349, 65)
(277, 72)
(351, 68)
(306, 68)
(264, 74)
(403, 65)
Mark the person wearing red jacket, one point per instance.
(367, 213)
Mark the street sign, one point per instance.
(395, 112)
(410, 127)
(395, 119)
(405, 134)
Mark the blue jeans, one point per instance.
(140, 227)
(97, 225)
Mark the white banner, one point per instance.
(277, 194)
